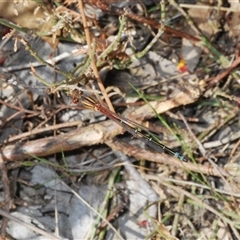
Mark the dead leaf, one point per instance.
(205, 20)
(181, 98)
(234, 24)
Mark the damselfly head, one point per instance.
(76, 95)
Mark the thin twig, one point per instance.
(152, 197)
(203, 151)
(200, 202)
(7, 196)
(30, 226)
(92, 209)
(93, 64)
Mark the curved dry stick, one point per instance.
(145, 20)
(164, 159)
(91, 135)
(28, 225)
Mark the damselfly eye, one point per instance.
(75, 100)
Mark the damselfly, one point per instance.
(135, 129)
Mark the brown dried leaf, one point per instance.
(205, 19)
(234, 24)
(182, 98)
